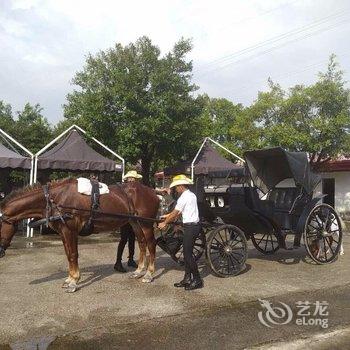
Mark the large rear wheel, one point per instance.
(226, 251)
(323, 234)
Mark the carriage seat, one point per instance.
(283, 198)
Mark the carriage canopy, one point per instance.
(268, 167)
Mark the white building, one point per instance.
(336, 184)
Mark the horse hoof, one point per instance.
(65, 285)
(147, 279)
(135, 275)
(71, 289)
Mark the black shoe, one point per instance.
(132, 263)
(195, 284)
(182, 283)
(119, 267)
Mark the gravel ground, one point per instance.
(34, 306)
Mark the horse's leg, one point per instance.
(70, 241)
(68, 279)
(151, 245)
(142, 246)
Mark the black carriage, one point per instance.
(276, 200)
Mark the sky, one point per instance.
(238, 44)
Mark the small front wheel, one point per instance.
(226, 251)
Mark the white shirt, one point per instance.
(187, 205)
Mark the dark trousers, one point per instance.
(127, 235)
(191, 233)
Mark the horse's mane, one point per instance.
(32, 188)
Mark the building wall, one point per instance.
(342, 191)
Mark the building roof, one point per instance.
(342, 163)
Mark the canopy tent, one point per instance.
(73, 154)
(12, 159)
(208, 161)
(268, 167)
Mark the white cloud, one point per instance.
(50, 38)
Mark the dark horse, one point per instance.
(130, 198)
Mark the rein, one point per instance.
(115, 215)
(131, 215)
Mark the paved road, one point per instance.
(112, 309)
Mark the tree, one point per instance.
(218, 116)
(139, 102)
(314, 118)
(32, 128)
(6, 117)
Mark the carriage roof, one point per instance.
(268, 167)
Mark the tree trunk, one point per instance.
(146, 170)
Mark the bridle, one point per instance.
(5, 219)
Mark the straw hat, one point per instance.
(181, 180)
(132, 173)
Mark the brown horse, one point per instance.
(131, 198)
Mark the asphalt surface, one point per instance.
(112, 311)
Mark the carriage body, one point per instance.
(275, 200)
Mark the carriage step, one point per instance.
(37, 223)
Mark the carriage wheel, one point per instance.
(323, 234)
(198, 248)
(226, 251)
(266, 243)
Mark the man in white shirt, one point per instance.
(187, 206)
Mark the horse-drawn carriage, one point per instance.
(276, 199)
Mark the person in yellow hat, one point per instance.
(127, 234)
(186, 206)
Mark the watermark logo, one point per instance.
(307, 313)
(274, 315)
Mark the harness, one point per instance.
(95, 204)
(50, 204)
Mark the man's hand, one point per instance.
(162, 225)
(163, 191)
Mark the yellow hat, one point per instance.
(181, 180)
(132, 173)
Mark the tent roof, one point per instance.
(268, 167)
(209, 162)
(73, 153)
(11, 159)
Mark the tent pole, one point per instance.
(53, 141)
(104, 146)
(16, 143)
(226, 149)
(195, 158)
(29, 231)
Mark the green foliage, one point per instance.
(32, 129)
(218, 116)
(314, 118)
(139, 102)
(6, 118)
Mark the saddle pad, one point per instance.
(84, 186)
